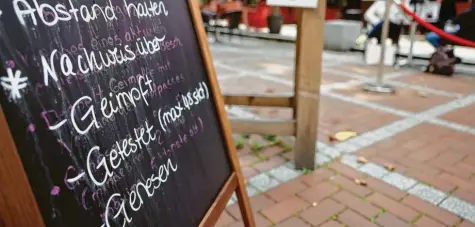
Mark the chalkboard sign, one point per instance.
(111, 116)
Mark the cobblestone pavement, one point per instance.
(426, 131)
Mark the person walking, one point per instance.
(375, 17)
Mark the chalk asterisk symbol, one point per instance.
(14, 83)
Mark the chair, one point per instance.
(234, 19)
(208, 16)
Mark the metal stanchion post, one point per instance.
(411, 47)
(412, 35)
(379, 86)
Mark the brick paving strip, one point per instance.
(419, 198)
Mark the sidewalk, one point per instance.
(421, 47)
(426, 131)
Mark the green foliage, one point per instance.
(239, 144)
(306, 171)
(256, 146)
(271, 138)
(245, 135)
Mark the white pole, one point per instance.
(379, 86)
(410, 56)
(384, 36)
(411, 48)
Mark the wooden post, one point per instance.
(308, 69)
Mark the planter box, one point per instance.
(340, 35)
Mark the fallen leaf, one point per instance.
(314, 204)
(389, 167)
(360, 182)
(362, 159)
(332, 139)
(344, 135)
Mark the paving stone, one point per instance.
(461, 183)
(374, 170)
(266, 165)
(271, 151)
(388, 219)
(361, 206)
(467, 224)
(231, 201)
(321, 159)
(251, 191)
(286, 190)
(427, 193)
(430, 210)
(400, 210)
(399, 181)
(263, 182)
(350, 185)
(350, 160)
(425, 221)
(316, 176)
(467, 195)
(290, 165)
(225, 219)
(259, 220)
(284, 209)
(257, 203)
(322, 212)
(346, 170)
(284, 173)
(318, 192)
(419, 166)
(385, 189)
(332, 223)
(248, 172)
(330, 152)
(352, 219)
(459, 207)
(248, 159)
(293, 222)
(234, 197)
(347, 147)
(433, 180)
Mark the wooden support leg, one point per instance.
(307, 83)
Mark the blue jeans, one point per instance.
(433, 39)
(373, 29)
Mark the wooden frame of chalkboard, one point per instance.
(19, 208)
(235, 183)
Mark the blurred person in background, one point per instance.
(447, 12)
(462, 26)
(374, 16)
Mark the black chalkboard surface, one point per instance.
(111, 111)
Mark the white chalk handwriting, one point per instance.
(13, 82)
(135, 199)
(89, 62)
(143, 135)
(189, 100)
(50, 15)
